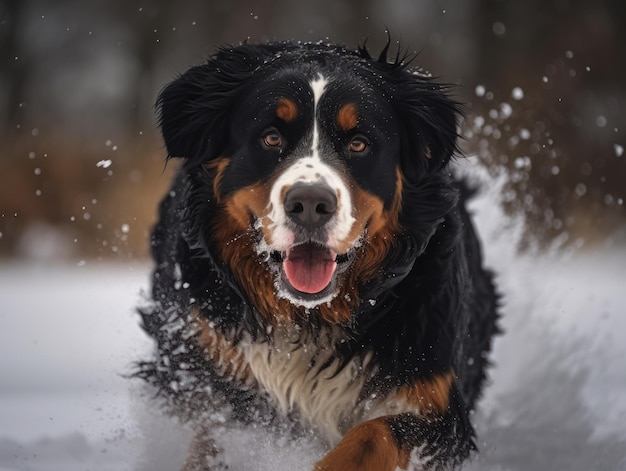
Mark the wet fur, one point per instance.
(389, 369)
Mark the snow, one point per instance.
(68, 334)
(557, 398)
(104, 163)
(517, 93)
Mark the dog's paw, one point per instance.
(369, 446)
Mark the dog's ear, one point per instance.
(186, 130)
(430, 118)
(194, 109)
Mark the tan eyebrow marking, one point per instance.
(286, 110)
(347, 116)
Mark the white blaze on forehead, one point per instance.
(312, 170)
(318, 85)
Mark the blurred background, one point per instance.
(82, 165)
(82, 168)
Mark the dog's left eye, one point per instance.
(272, 139)
(358, 145)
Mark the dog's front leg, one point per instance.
(368, 446)
(404, 441)
(203, 454)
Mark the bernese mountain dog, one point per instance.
(316, 267)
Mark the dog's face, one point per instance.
(312, 163)
(306, 155)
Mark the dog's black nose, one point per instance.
(310, 205)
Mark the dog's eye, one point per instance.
(358, 145)
(272, 139)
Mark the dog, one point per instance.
(316, 265)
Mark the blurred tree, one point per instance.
(548, 111)
(14, 63)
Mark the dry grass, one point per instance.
(54, 193)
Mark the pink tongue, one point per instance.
(309, 267)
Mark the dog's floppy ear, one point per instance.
(430, 119)
(186, 129)
(193, 110)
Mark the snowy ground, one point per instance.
(557, 399)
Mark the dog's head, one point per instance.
(310, 162)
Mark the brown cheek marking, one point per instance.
(286, 110)
(369, 446)
(370, 212)
(225, 357)
(235, 240)
(233, 236)
(247, 202)
(347, 117)
(432, 395)
(382, 227)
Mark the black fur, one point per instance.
(430, 309)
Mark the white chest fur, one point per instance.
(305, 379)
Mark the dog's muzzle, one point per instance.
(309, 265)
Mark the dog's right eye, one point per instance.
(272, 139)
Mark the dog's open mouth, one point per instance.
(309, 267)
(309, 270)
